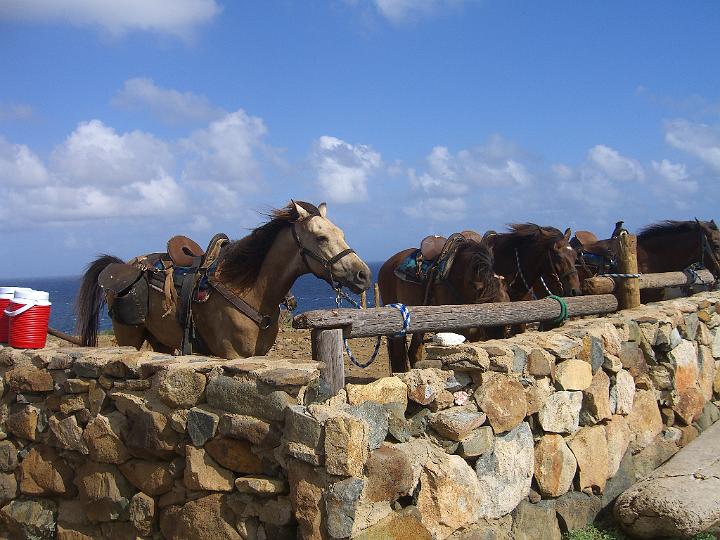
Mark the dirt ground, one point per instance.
(293, 343)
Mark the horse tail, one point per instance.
(90, 299)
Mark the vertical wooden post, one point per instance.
(628, 288)
(377, 295)
(363, 300)
(327, 347)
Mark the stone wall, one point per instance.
(519, 438)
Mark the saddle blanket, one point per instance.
(415, 269)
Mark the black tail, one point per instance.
(90, 299)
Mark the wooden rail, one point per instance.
(607, 285)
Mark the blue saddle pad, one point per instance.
(415, 269)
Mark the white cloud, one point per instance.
(20, 166)
(15, 111)
(437, 208)
(170, 106)
(400, 10)
(674, 175)
(224, 153)
(613, 165)
(96, 154)
(343, 169)
(175, 17)
(699, 140)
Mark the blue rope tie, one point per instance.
(405, 312)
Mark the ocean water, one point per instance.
(311, 293)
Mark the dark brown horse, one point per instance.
(471, 280)
(258, 270)
(531, 256)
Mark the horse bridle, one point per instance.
(706, 248)
(327, 264)
(553, 273)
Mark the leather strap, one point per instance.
(185, 305)
(263, 321)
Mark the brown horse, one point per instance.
(530, 256)
(471, 280)
(259, 269)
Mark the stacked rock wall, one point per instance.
(519, 438)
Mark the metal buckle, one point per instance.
(265, 322)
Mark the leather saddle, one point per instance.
(432, 246)
(183, 251)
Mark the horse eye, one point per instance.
(322, 239)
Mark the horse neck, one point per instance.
(280, 268)
(669, 252)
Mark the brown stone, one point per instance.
(555, 466)
(254, 430)
(706, 372)
(23, 421)
(8, 456)
(71, 403)
(617, 433)
(389, 474)
(590, 448)
(43, 472)
(689, 434)
(307, 487)
(423, 385)
(103, 439)
(151, 477)
(104, 491)
(29, 379)
(596, 400)
(207, 518)
(346, 445)
(384, 391)
(142, 513)
(688, 404)
(644, 420)
(633, 359)
(234, 455)
(457, 422)
(67, 434)
(8, 487)
(539, 363)
(683, 360)
(261, 486)
(150, 432)
(503, 400)
(203, 473)
(403, 525)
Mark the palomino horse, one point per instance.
(259, 269)
(531, 255)
(471, 280)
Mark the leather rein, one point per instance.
(553, 273)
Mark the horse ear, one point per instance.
(322, 209)
(300, 212)
(568, 232)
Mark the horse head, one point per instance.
(324, 250)
(712, 234)
(562, 258)
(479, 283)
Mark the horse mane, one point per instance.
(242, 259)
(671, 227)
(482, 262)
(521, 233)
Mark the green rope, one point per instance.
(563, 310)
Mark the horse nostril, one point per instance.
(362, 276)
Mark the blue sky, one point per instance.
(123, 123)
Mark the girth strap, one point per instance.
(185, 305)
(263, 321)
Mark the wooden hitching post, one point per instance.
(327, 347)
(363, 300)
(377, 295)
(628, 288)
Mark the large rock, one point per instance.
(389, 474)
(617, 433)
(403, 525)
(307, 488)
(505, 474)
(247, 397)
(44, 473)
(207, 518)
(201, 425)
(30, 520)
(645, 421)
(249, 428)
(346, 445)
(142, 513)
(348, 511)
(22, 421)
(180, 387)
(555, 466)
(457, 422)
(102, 437)
(150, 433)
(576, 510)
(681, 498)
(622, 393)
(688, 404)
(151, 477)
(8, 456)
(203, 473)
(388, 390)
(503, 400)
(424, 385)
(29, 379)
(535, 521)
(8, 487)
(561, 412)
(573, 374)
(477, 443)
(683, 360)
(596, 400)
(67, 434)
(590, 448)
(103, 490)
(234, 455)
